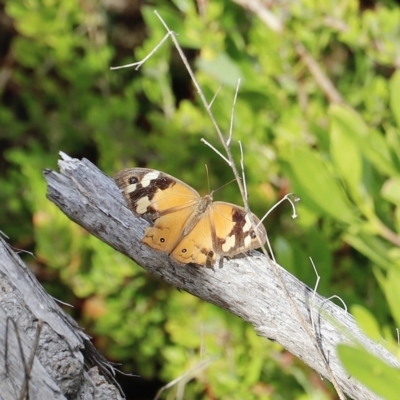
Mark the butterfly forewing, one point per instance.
(178, 196)
(151, 193)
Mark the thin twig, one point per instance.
(215, 96)
(140, 63)
(205, 103)
(284, 198)
(294, 215)
(259, 7)
(186, 375)
(217, 151)
(27, 366)
(243, 171)
(228, 142)
(35, 344)
(62, 302)
(322, 80)
(335, 296)
(4, 235)
(325, 300)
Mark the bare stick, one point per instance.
(217, 151)
(215, 96)
(140, 63)
(315, 291)
(286, 197)
(25, 384)
(243, 171)
(271, 252)
(242, 191)
(4, 235)
(322, 80)
(28, 369)
(206, 105)
(260, 8)
(186, 376)
(208, 179)
(228, 142)
(21, 251)
(62, 302)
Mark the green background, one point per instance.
(337, 148)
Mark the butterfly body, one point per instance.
(186, 226)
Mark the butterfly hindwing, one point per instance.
(197, 246)
(167, 230)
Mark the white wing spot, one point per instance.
(229, 244)
(247, 241)
(146, 180)
(247, 225)
(142, 204)
(131, 188)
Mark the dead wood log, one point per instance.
(42, 349)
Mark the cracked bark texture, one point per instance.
(58, 368)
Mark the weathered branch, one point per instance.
(246, 285)
(58, 370)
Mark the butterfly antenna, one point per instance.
(208, 182)
(226, 184)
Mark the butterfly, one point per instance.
(184, 225)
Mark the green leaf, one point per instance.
(370, 142)
(315, 181)
(347, 156)
(391, 190)
(392, 292)
(222, 68)
(393, 141)
(366, 322)
(394, 88)
(371, 371)
(367, 243)
(345, 150)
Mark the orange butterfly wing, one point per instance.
(162, 200)
(234, 229)
(224, 229)
(197, 246)
(166, 232)
(150, 193)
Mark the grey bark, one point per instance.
(57, 370)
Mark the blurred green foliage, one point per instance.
(342, 160)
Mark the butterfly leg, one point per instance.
(210, 260)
